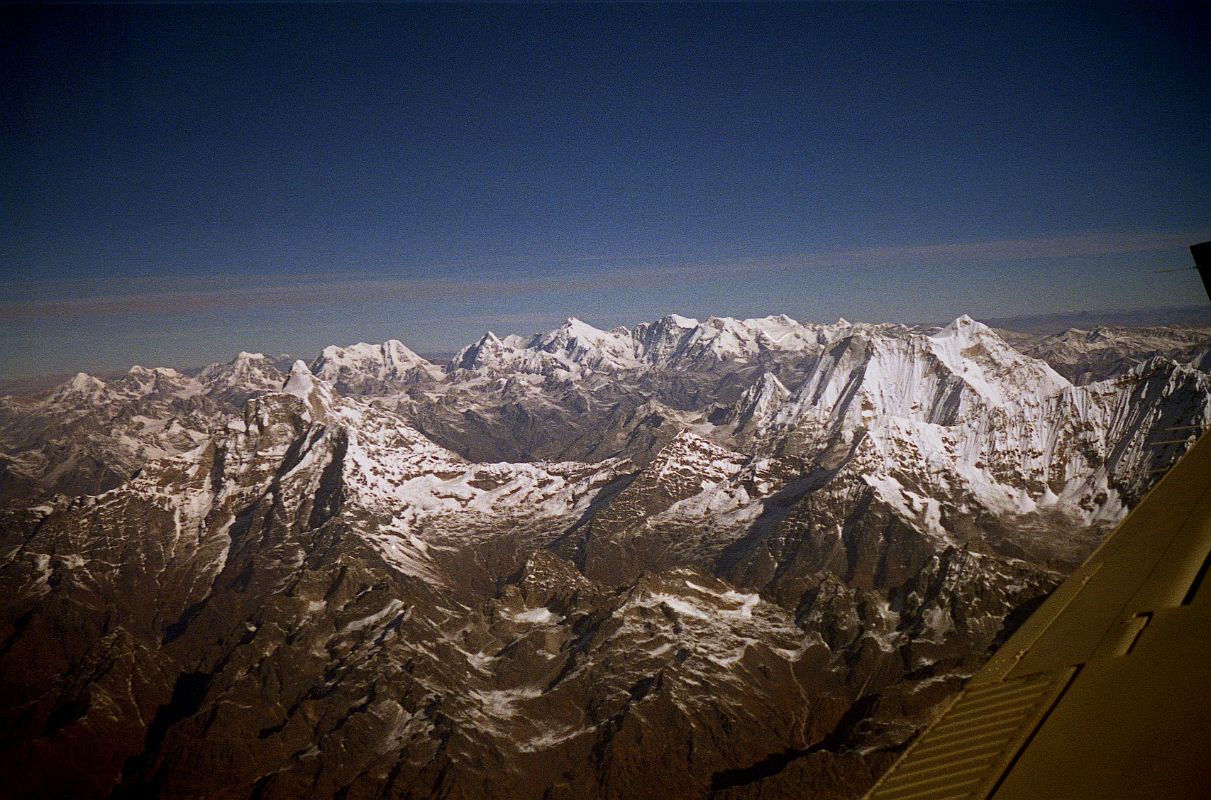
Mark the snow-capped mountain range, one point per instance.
(726, 558)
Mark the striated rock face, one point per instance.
(729, 559)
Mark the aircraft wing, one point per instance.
(1105, 692)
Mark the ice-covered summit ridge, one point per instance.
(672, 342)
(993, 369)
(373, 368)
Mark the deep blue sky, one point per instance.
(181, 182)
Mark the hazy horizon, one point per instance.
(184, 183)
(1193, 315)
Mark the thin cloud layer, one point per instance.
(261, 292)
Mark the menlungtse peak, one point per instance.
(243, 361)
(244, 376)
(390, 353)
(373, 368)
(578, 345)
(143, 375)
(247, 363)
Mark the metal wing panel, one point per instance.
(1125, 645)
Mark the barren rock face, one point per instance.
(732, 559)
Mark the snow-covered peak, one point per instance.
(300, 381)
(372, 368)
(962, 372)
(479, 354)
(963, 321)
(768, 383)
(575, 347)
(244, 362)
(725, 339)
(760, 402)
(162, 382)
(143, 376)
(314, 393)
(81, 386)
(84, 382)
(246, 375)
(392, 352)
(577, 344)
(673, 341)
(993, 369)
(965, 330)
(665, 339)
(575, 329)
(680, 321)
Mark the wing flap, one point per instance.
(1124, 649)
